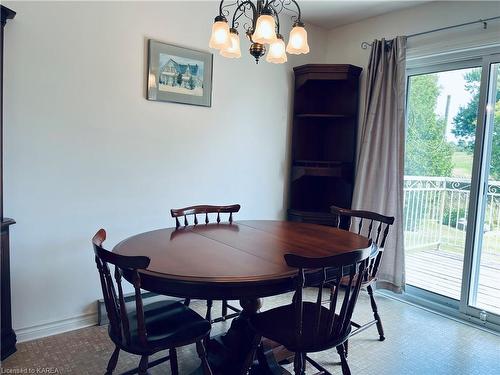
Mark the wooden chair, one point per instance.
(376, 227)
(145, 329)
(306, 327)
(205, 210)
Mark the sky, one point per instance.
(452, 83)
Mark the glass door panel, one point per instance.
(485, 285)
(442, 112)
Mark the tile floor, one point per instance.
(418, 342)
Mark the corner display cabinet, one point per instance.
(323, 140)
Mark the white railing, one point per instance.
(435, 213)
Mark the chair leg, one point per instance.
(174, 366)
(343, 360)
(209, 318)
(376, 316)
(143, 365)
(202, 353)
(346, 348)
(113, 360)
(209, 310)
(224, 309)
(299, 364)
(251, 355)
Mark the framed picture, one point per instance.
(180, 75)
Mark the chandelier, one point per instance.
(260, 20)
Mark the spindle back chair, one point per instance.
(376, 227)
(205, 210)
(115, 302)
(129, 329)
(306, 327)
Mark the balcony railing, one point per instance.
(435, 220)
(435, 214)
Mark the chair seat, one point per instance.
(169, 324)
(345, 281)
(278, 324)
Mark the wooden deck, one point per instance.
(441, 272)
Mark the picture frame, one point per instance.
(178, 74)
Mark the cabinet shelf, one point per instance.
(312, 216)
(321, 115)
(319, 163)
(319, 168)
(311, 212)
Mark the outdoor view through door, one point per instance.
(442, 177)
(485, 284)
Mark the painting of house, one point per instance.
(180, 75)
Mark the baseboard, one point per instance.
(54, 328)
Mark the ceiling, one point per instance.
(332, 13)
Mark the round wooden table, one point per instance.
(243, 260)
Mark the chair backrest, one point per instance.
(332, 322)
(203, 210)
(366, 223)
(115, 302)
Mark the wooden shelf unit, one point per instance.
(323, 140)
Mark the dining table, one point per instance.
(242, 260)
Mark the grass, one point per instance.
(462, 164)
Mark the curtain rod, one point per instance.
(365, 45)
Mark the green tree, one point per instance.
(191, 83)
(427, 152)
(465, 122)
(495, 152)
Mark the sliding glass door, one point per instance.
(484, 285)
(438, 173)
(452, 185)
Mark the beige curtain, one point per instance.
(380, 167)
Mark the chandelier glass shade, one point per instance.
(233, 51)
(261, 22)
(297, 43)
(265, 30)
(220, 34)
(277, 54)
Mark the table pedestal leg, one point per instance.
(227, 352)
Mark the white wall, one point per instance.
(84, 149)
(344, 42)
